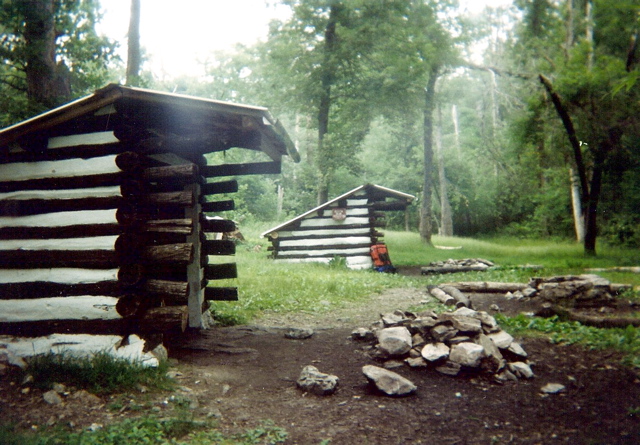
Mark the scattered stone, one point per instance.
(467, 354)
(416, 362)
(95, 427)
(521, 369)
(316, 382)
(393, 364)
(52, 397)
(394, 341)
(504, 376)
(160, 352)
(396, 318)
(86, 398)
(435, 352)
(299, 333)
(552, 388)
(516, 349)
(501, 339)
(388, 382)
(59, 388)
(449, 368)
(363, 334)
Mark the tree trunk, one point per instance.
(446, 222)
(134, 58)
(425, 208)
(47, 83)
(456, 128)
(578, 216)
(327, 80)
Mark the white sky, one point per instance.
(176, 34)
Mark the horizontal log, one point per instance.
(330, 253)
(130, 249)
(24, 207)
(156, 320)
(129, 215)
(213, 188)
(220, 271)
(184, 173)
(219, 247)
(141, 196)
(85, 259)
(218, 206)
(75, 182)
(221, 294)
(62, 153)
(133, 275)
(168, 289)
(441, 295)
(44, 289)
(130, 161)
(322, 247)
(487, 286)
(77, 231)
(258, 168)
(215, 225)
(390, 206)
(461, 299)
(453, 269)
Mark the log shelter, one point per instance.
(105, 205)
(344, 227)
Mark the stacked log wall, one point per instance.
(320, 237)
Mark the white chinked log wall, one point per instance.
(320, 238)
(77, 307)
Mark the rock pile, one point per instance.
(464, 341)
(453, 266)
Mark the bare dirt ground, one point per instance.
(239, 376)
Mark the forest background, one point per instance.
(521, 121)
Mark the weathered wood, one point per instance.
(487, 287)
(219, 247)
(218, 206)
(163, 319)
(213, 188)
(24, 207)
(221, 294)
(217, 225)
(77, 231)
(441, 295)
(43, 289)
(461, 299)
(130, 249)
(75, 182)
(133, 275)
(453, 269)
(595, 320)
(202, 143)
(165, 288)
(221, 271)
(184, 172)
(129, 215)
(335, 246)
(84, 151)
(258, 168)
(86, 259)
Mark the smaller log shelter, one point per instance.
(344, 227)
(104, 206)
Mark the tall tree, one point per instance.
(134, 54)
(50, 52)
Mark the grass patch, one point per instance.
(98, 374)
(624, 340)
(146, 431)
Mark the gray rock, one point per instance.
(52, 397)
(494, 360)
(552, 388)
(417, 340)
(458, 339)
(388, 382)
(467, 354)
(395, 341)
(416, 362)
(299, 333)
(516, 349)
(489, 323)
(363, 334)
(435, 352)
(521, 369)
(161, 353)
(504, 376)
(463, 323)
(395, 318)
(466, 312)
(393, 364)
(316, 382)
(443, 332)
(501, 339)
(449, 368)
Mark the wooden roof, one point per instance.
(175, 113)
(378, 192)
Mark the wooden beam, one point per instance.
(77, 231)
(74, 182)
(218, 206)
(218, 225)
(213, 188)
(25, 207)
(221, 294)
(84, 259)
(43, 289)
(220, 271)
(219, 247)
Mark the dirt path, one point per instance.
(243, 375)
